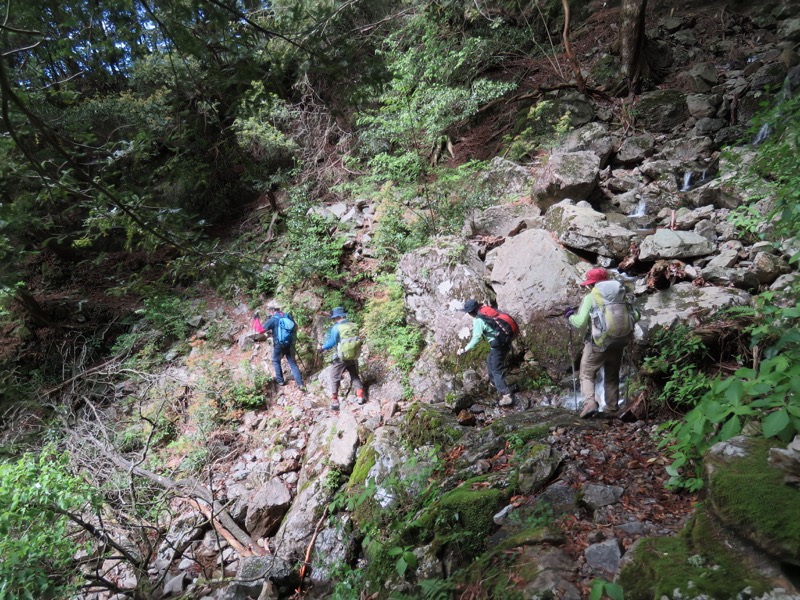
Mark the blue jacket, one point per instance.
(272, 326)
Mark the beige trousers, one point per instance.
(592, 360)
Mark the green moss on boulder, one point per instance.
(426, 425)
(749, 496)
(696, 563)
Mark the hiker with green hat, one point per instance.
(499, 346)
(611, 318)
(344, 336)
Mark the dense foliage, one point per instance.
(767, 392)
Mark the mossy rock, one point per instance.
(695, 563)
(364, 462)
(748, 495)
(466, 513)
(427, 425)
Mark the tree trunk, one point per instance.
(28, 303)
(576, 67)
(631, 43)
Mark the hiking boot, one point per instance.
(611, 411)
(589, 409)
(281, 383)
(303, 389)
(335, 406)
(507, 400)
(360, 397)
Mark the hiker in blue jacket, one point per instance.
(283, 343)
(335, 339)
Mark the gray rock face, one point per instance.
(702, 77)
(437, 280)
(505, 178)
(635, 149)
(581, 227)
(604, 557)
(504, 220)
(595, 496)
(723, 466)
(662, 110)
(570, 175)
(266, 508)
(532, 275)
(255, 572)
(314, 488)
(592, 137)
(681, 301)
(674, 244)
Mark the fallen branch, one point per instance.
(220, 528)
(307, 560)
(189, 488)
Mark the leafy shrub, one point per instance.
(432, 87)
(386, 326)
(37, 543)
(543, 126)
(314, 246)
(673, 363)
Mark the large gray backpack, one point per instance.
(612, 316)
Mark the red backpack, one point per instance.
(503, 320)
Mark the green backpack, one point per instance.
(349, 347)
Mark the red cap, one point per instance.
(595, 275)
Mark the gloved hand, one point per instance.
(460, 351)
(569, 311)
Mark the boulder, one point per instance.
(634, 149)
(533, 276)
(567, 175)
(437, 280)
(592, 137)
(504, 220)
(662, 110)
(748, 496)
(581, 227)
(505, 178)
(665, 243)
(266, 508)
(681, 302)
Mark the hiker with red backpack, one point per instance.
(344, 336)
(284, 336)
(611, 318)
(498, 329)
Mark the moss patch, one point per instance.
(695, 563)
(364, 462)
(425, 425)
(751, 495)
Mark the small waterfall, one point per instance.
(693, 179)
(640, 210)
(762, 134)
(687, 181)
(766, 129)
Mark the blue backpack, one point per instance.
(285, 330)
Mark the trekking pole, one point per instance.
(572, 365)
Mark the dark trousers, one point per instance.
(338, 367)
(495, 363)
(278, 352)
